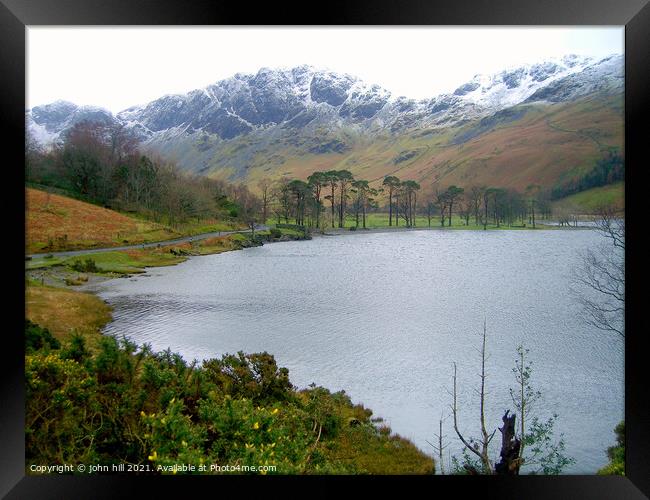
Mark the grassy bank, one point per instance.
(66, 312)
(58, 223)
(136, 260)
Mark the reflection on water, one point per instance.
(384, 315)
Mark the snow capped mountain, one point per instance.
(47, 123)
(317, 111)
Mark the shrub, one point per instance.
(254, 376)
(37, 338)
(76, 349)
(616, 454)
(60, 416)
(86, 266)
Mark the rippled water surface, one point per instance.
(384, 315)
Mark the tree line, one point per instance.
(609, 169)
(103, 164)
(329, 198)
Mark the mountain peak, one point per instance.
(305, 96)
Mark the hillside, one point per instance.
(531, 144)
(589, 201)
(55, 222)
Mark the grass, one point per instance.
(592, 199)
(220, 244)
(380, 221)
(59, 223)
(44, 262)
(129, 261)
(372, 448)
(66, 311)
(136, 260)
(379, 452)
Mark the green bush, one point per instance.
(86, 266)
(616, 454)
(253, 376)
(38, 338)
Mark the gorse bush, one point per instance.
(38, 338)
(127, 404)
(616, 454)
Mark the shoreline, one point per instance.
(346, 230)
(56, 275)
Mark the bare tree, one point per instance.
(439, 447)
(537, 435)
(602, 274)
(480, 449)
(475, 196)
(264, 186)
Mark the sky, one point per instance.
(119, 67)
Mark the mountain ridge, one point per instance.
(240, 127)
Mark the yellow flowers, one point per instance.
(275, 411)
(249, 446)
(256, 425)
(143, 414)
(154, 456)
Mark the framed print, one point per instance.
(384, 241)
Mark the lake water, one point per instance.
(384, 315)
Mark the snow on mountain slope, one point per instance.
(307, 100)
(48, 123)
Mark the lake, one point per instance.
(384, 315)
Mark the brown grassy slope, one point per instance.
(56, 222)
(66, 311)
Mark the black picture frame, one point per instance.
(16, 14)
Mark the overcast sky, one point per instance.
(120, 67)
